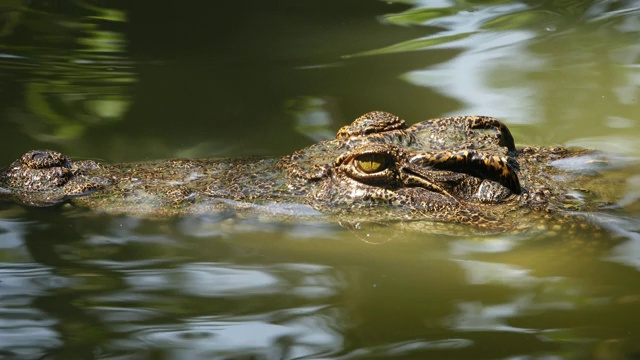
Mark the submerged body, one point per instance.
(458, 169)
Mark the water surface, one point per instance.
(133, 81)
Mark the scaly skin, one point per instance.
(458, 169)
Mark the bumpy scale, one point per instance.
(460, 169)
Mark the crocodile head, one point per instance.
(460, 169)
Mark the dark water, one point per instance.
(123, 81)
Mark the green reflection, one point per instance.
(414, 45)
(572, 64)
(75, 73)
(419, 15)
(103, 41)
(104, 13)
(517, 20)
(312, 116)
(10, 14)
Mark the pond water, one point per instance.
(132, 81)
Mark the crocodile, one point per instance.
(459, 169)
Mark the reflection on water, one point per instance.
(74, 73)
(261, 327)
(76, 284)
(120, 287)
(528, 63)
(26, 331)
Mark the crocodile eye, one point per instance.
(371, 163)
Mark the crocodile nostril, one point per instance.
(40, 159)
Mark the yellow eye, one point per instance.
(371, 163)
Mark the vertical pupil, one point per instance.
(370, 163)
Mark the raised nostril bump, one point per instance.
(40, 159)
(38, 156)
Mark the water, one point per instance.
(129, 81)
